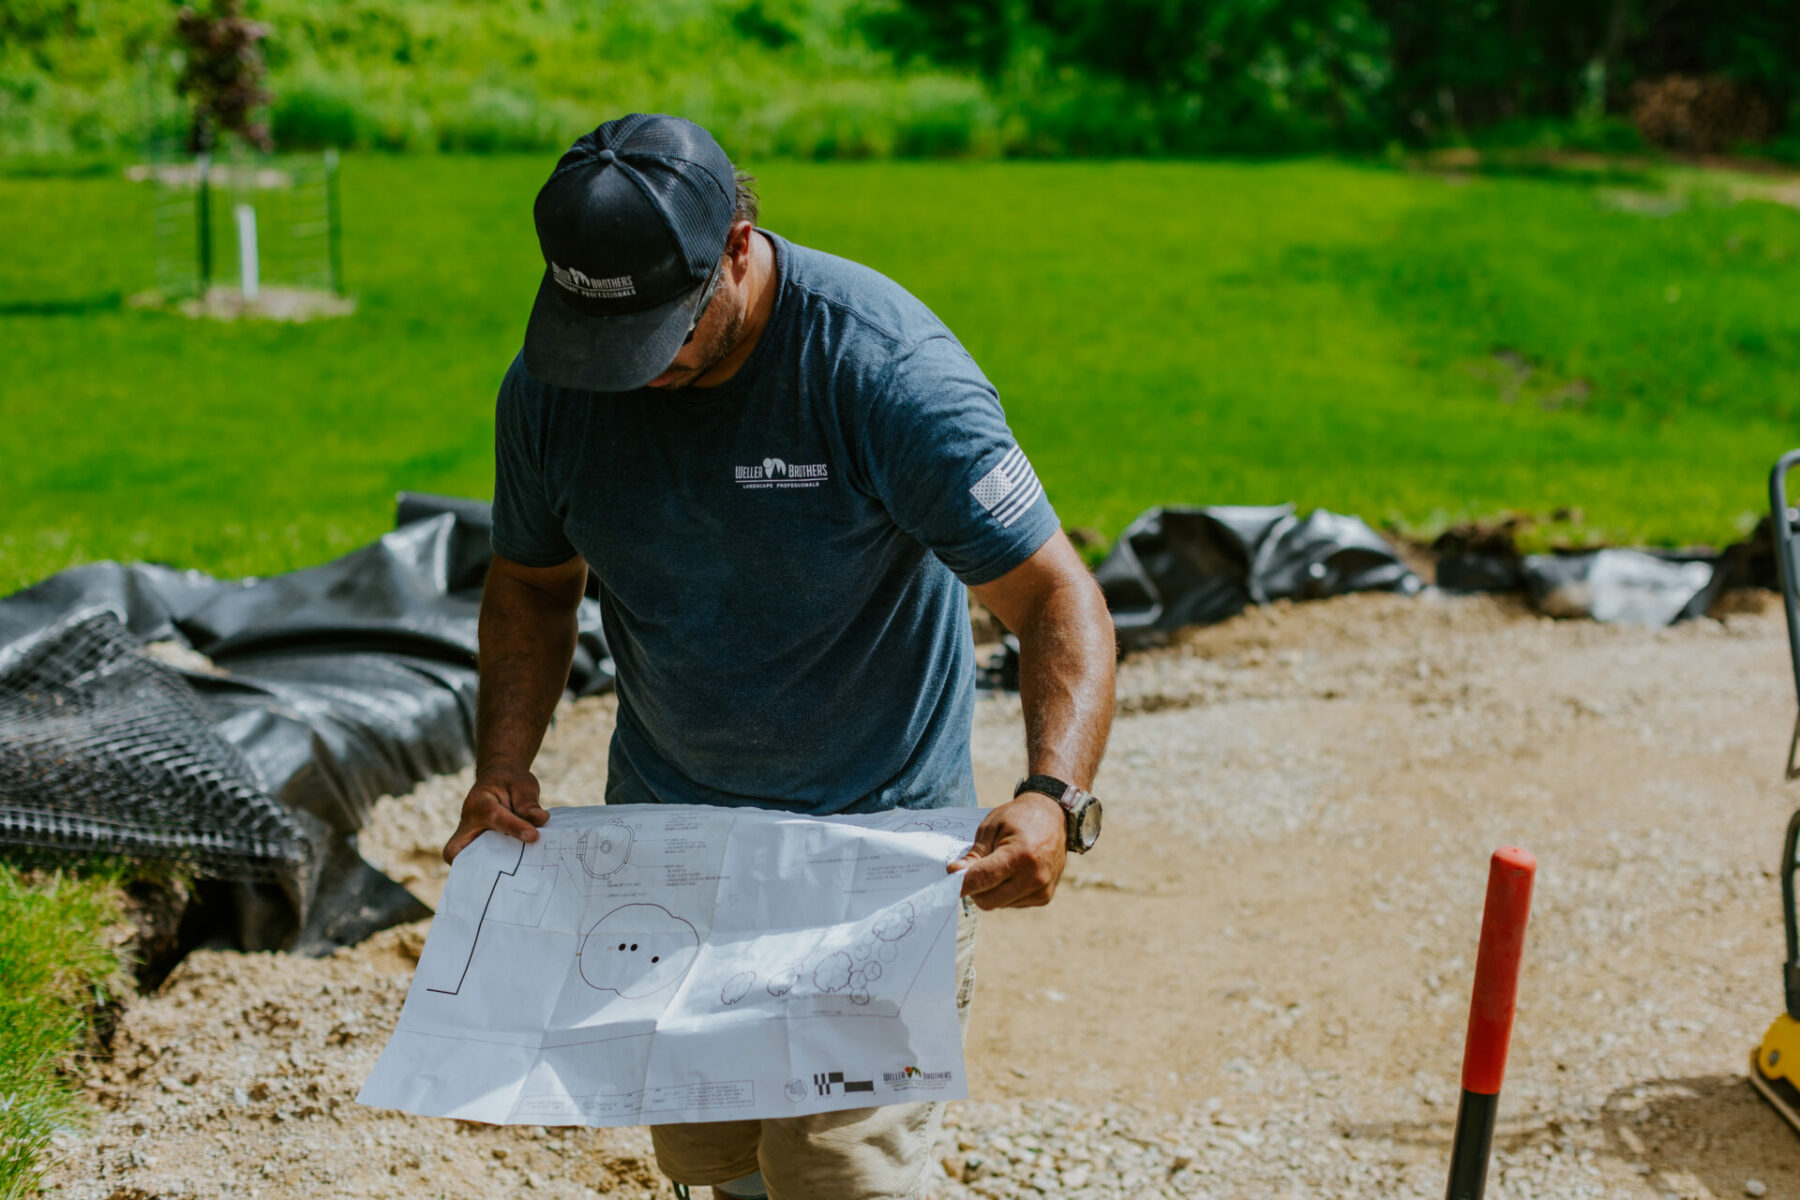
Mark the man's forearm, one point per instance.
(527, 642)
(1066, 655)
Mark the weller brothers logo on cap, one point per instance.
(582, 284)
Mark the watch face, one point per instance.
(1088, 831)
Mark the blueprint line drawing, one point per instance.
(603, 851)
(480, 924)
(637, 950)
(737, 987)
(852, 968)
(686, 962)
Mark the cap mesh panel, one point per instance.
(694, 186)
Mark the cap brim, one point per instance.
(569, 349)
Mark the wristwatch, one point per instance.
(1081, 811)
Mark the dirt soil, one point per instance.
(1256, 986)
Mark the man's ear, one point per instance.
(737, 245)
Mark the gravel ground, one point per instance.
(1255, 987)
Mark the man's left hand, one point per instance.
(1018, 855)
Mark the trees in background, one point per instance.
(1286, 74)
(861, 78)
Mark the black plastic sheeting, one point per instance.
(338, 684)
(345, 682)
(1643, 586)
(1198, 566)
(1621, 587)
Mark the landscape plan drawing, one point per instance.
(643, 964)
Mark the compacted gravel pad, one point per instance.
(1256, 986)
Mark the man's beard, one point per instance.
(722, 342)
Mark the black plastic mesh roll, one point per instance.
(106, 751)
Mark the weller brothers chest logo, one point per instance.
(775, 473)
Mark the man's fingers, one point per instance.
(1022, 892)
(988, 871)
(1014, 891)
(514, 811)
(460, 840)
(491, 812)
(524, 801)
(504, 820)
(987, 834)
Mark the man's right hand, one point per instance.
(504, 799)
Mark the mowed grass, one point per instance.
(55, 969)
(1402, 346)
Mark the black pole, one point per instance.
(1781, 530)
(1790, 970)
(1781, 533)
(333, 234)
(203, 219)
(1474, 1142)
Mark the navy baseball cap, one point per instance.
(632, 225)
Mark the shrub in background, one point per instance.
(222, 74)
(855, 78)
(1706, 115)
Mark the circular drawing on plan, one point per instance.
(859, 996)
(603, 850)
(832, 974)
(887, 952)
(737, 987)
(780, 986)
(637, 950)
(895, 923)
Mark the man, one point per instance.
(778, 464)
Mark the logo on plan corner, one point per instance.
(912, 1077)
(779, 473)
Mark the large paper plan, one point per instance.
(646, 964)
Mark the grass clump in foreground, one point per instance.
(56, 967)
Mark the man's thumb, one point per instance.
(983, 846)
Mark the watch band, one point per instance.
(1048, 785)
(1081, 810)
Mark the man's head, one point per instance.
(643, 222)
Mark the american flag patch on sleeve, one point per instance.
(1009, 489)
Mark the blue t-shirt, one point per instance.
(779, 556)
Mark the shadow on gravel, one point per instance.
(1712, 1130)
(1707, 1135)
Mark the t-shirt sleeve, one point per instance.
(941, 458)
(527, 529)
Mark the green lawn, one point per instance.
(1402, 346)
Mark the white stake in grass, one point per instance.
(246, 226)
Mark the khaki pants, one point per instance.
(857, 1154)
